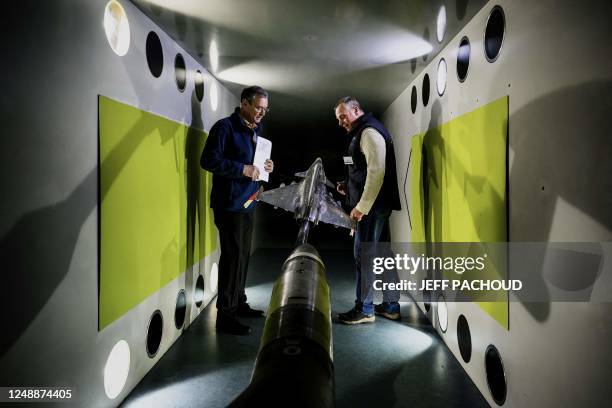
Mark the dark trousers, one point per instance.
(235, 230)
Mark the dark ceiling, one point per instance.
(310, 53)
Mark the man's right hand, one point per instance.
(341, 187)
(251, 172)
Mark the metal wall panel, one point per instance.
(555, 66)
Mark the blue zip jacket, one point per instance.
(228, 148)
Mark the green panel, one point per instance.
(458, 184)
(154, 216)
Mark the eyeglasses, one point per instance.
(260, 109)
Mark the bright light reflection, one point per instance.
(214, 56)
(117, 369)
(214, 277)
(387, 47)
(117, 27)
(407, 344)
(214, 96)
(441, 26)
(268, 74)
(167, 394)
(418, 342)
(441, 82)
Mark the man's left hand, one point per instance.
(356, 214)
(269, 166)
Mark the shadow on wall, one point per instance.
(35, 255)
(196, 186)
(562, 151)
(463, 180)
(431, 171)
(431, 178)
(36, 252)
(461, 171)
(439, 161)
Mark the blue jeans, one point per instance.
(372, 229)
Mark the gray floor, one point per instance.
(384, 364)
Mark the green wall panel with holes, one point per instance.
(155, 220)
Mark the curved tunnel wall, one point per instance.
(52, 215)
(557, 189)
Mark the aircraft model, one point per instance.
(309, 200)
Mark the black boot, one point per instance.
(230, 325)
(244, 310)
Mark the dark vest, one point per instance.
(388, 196)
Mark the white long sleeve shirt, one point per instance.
(373, 146)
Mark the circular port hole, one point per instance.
(441, 81)
(413, 99)
(426, 90)
(214, 277)
(180, 72)
(494, 33)
(464, 338)
(441, 24)
(199, 85)
(155, 54)
(214, 96)
(463, 59)
(199, 291)
(154, 333)
(442, 313)
(496, 377)
(427, 300)
(116, 369)
(117, 28)
(181, 309)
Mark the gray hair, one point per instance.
(350, 101)
(251, 92)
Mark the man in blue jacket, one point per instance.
(228, 154)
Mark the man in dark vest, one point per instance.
(228, 154)
(372, 193)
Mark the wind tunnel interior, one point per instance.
(109, 254)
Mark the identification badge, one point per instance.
(348, 160)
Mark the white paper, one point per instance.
(263, 152)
